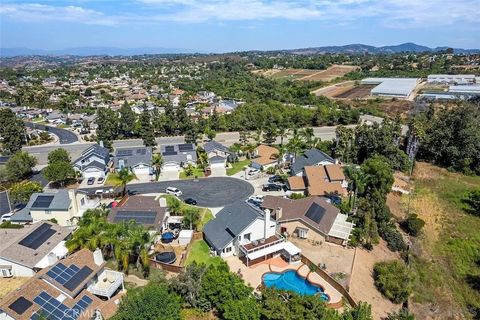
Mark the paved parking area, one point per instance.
(209, 192)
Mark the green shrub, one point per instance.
(10, 225)
(393, 238)
(413, 225)
(473, 202)
(392, 279)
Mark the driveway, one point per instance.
(64, 136)
(209, 192)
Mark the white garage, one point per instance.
(171, 166)
(142, 169)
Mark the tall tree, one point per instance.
(127, 120)
(58, 155)
(146, 128)
(21, 191)
(124, 176)
(107, 122)
(12, 131)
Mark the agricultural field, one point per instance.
(358, 92)
(332, 73)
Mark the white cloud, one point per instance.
(33, 12)
(388, 13)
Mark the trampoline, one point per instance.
(168, 257)
(168, 237)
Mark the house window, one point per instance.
(302, 233)
(82, 202)
(6, 273)
(227, 249)
(246, 236)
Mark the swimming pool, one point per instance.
(291, 280)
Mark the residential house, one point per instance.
(312, 218)
(138, 159)
(147, 211)
(77, 287)
(217, 153)
(93, 162)
(247, 232)
(178, 156)
(312, 157)
(61, 206)
(264, 157)
(25, 251)
(320, 181)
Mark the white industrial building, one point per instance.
(392, 87)
(451, 78)
(471, 89)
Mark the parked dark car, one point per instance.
(191, 201)
(272, 187)
(275, 178)
(90, 181)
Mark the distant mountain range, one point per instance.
(363, 49)
(90, 51)
(112, 51)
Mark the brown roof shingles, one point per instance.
(265, 155)
(296, 210)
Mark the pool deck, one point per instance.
(253, 275)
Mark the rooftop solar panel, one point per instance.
(38, 237)
(315, 213)
(42, 202)
(70, 277)
(124, 153)
(169, 153)
(140, 217)
(51, 308)
(142, 151)
(20, 305)
(78, 278)
(185, 147)
(169, 148)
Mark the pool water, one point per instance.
(290, 280)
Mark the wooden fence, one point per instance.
(183, 259)
(330, 281)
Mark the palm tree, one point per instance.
(282, 133)
(174, 205)
(157, 162)
(357, 183)
(249, 149)
(124, 176)
(295, 144)
(307, 134)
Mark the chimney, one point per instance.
(278, 213)
(98, 257)
(266, 233)
(101, 143)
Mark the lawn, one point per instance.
(237, 167)
(200, 253)
(197, 172)
(446, 257)
(112, 180)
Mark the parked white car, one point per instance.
(173, 191)
(6, 217)
(258, 197)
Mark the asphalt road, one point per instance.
(209, 192)
(64, 136)
(41, 152)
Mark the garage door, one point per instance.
(217, 165)
(94, 174)
(145, 170)
(171, 167)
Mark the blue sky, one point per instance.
(230, 25)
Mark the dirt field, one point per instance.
(9, 284)
(359, 92)
(362, 285)
(329, 74)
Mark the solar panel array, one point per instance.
(124, 153)
(140, 217)
(185, 147)
(142, 151)
(169, 153)
(20, 305)
(38, 236)
(42, 202)
(169, 148)
(315, 213)
(51, 308)
(70, 277)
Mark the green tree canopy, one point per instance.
(20, 165)
(21, 191)
(152, 302)
(392, 279)
(12, 131)
(58, 155)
